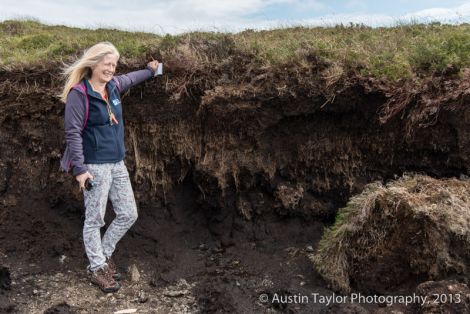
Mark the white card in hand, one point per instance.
(159, 69)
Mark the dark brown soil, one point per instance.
(447, 296)
(235, 175)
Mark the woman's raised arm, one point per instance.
(126, 81)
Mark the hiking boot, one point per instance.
(104, 280)
(113, 269)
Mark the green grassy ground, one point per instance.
(403, 51)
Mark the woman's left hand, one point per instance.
(153, 64)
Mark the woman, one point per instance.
(94, 132)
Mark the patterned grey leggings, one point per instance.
(110, 179)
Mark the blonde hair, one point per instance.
(82, 67)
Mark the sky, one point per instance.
(180, 16)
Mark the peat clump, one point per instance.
(410, 230)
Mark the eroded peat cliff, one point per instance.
(226, 156)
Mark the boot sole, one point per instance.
(108, 290)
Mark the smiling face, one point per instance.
(104, 70)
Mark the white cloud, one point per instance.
(156, 16)
(457, 14)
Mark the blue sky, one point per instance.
(177, 16)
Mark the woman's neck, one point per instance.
(97, 85)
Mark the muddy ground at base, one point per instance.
(183, 266)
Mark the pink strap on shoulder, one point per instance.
(117, 83)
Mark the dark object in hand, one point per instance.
(89, 184)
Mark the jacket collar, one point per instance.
(110, 86)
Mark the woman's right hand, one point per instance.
(153, 64)
(81, 178)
